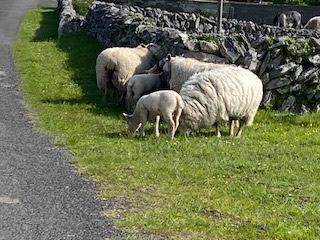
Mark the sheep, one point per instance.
(313, 23)
(177, 70)
(165, 103)
(141, 84)
(288, 19)
(114, 66)
(223, 95)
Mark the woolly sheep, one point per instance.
(288, 19)
(313, 23)
(114, 66)
(165, 103)
(177, 70)
(141, 84)
(212, 97)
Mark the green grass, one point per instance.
(82, 6)
(263, 186)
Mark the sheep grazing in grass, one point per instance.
(165, 103)
(288, 19)
(313, 23)
(212, 97)
(114, 66)
(177, 70)
(141, 84)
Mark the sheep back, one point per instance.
(313, 23)
(158, 103)
(183, 68)
(117, 65)
(220, 95)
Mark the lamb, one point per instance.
(177, 70)
(141, 84)
(165, 103)
(212, 97)
(313, 23)
(114, 66)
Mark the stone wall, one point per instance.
(256, 12)
(288, 67)
(69, 20)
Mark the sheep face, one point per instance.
(133, 126)
(167, 69)
(155, 50)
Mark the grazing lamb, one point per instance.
(114, 66)
(177, 70)
(313, 23)
(165, 103)
(288, 19)
(141, 84)
(212, 97)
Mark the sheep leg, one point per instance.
(141, 130)
(171, 127)
(157, 126)
(231, 127)
(176, 118)
(134, 101)
(218, 134)
(241, 125)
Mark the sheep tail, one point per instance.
(104, 71)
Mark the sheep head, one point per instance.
(133, 125)
(156, 50)
(167, 67)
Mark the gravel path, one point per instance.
(41, 195)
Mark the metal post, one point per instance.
(220, 11)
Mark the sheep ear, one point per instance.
(161, 63)
(168, 58)
(127, 116)
(143, 45)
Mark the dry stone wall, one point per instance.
(287, 60)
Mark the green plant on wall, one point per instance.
(297, 48)
(210, 38)
(82, 6)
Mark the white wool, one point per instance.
(313, 23)
(221, 95)
(114, 66)
(181, 69)
(139, 85)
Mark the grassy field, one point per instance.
(263, 186)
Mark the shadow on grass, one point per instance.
(82, 51)
(48, 29)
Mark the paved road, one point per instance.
(41, 195)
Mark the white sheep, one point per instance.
(177, 70)
(212, 97)
(141, 84)
(313, 23)
(165, 103)
(114, 66)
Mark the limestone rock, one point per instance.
(282, 70)
(209, 47)
(315, 60)
(278, 82)
(227, 50)
(288, 103)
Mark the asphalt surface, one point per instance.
(41, 195)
